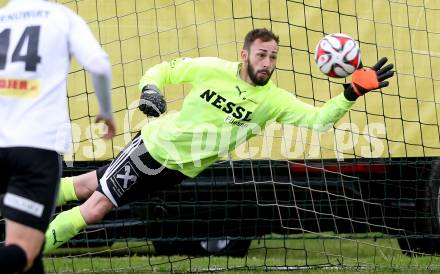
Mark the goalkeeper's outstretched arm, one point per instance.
(293, 111)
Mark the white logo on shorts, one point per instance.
(23, 204)
(126, 176)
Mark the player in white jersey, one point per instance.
(37, 39)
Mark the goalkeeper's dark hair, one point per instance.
(263, 34)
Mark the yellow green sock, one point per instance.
(66, 192)
(64, 227)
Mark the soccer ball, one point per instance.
(337, 55)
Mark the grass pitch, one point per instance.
(278, 254)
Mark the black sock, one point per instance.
(12, 259)
(37, 266)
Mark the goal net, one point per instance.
(362, 195)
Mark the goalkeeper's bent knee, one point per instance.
(66, 191)
(64, 227)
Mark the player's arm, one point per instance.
(94, 59)
(296, 112)
(181, 70)
(102, 83)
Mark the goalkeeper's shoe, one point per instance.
(63, 228)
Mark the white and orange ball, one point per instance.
(337, 55)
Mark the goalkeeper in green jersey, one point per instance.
(232, 99)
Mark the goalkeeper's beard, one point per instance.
(258, 81)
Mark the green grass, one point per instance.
(274, 255)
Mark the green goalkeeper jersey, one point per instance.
(221, 112)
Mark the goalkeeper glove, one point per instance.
(152, 103)
(365, 80)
